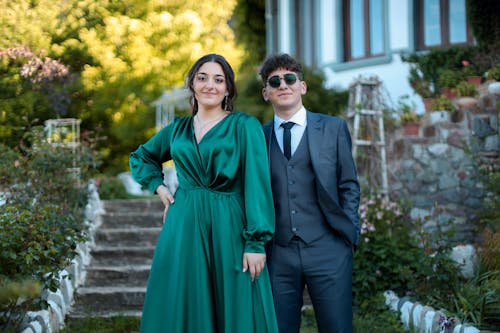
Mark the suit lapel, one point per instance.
(268, 132)
(314, 138)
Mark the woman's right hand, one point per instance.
(166, 197)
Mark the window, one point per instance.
(441, 23)
(363, 29)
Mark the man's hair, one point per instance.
(277, 61)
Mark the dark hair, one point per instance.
(277, 61)
(227, 103)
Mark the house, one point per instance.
(349, 38)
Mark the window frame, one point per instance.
(346, 22)
(444, 21)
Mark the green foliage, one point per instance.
(427, 67)
(388, 256)
(466, 89)
(406, 110)
(489, 216)
(41, 223)
(250, 30)
(111, 188)
(318, 98)
(32, 89)
(116, 324)
(377, 317)
(494, 73)
(483, 19)
(442, 103)
(123, 54)
(450, 78)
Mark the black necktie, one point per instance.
(287, 138)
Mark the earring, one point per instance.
(225, 102)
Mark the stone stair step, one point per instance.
(132, 219)
(81, 313)
(113, 276)
(116, 299)
(135, 205)
(128, 236)
(122, 255)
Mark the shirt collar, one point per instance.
(299, 118)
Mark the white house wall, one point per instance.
(391, 70)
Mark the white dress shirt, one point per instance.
(297, 130)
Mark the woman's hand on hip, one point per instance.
(166, 197)
(254, 262)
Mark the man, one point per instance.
(316, 197)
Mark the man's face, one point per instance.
(287, 96)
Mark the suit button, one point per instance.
(294, 229)
(294, 211)
(291, 182)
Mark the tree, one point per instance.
(249, 25)
(123, 54)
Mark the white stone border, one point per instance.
(424, 319)
(52, 319)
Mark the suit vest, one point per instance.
(295, 197)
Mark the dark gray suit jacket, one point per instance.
(336, 177)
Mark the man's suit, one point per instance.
(316, 196)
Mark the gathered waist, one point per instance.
(189, 188)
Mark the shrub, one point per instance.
(442, 103)
(450, 78)
(388, 257)
(41, 223)
(466, 89)
(494, 73)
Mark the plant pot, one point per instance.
(494, 88)
(467, 102)
(427, 103)
(448, 92)
(438, 116)
(411, 129)
(474, 80)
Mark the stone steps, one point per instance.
(116, 278)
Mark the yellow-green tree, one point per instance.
(124, 54)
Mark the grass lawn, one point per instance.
(131, 325)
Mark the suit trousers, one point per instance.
(325, 266)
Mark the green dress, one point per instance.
(223, 208)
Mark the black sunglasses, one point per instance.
(275, 81)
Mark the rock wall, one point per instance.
(438, 168)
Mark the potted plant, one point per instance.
(466, 89)
(494, 75)
(449, 79)
(466, 92)
(442, 106)
(470, 73)
(407, 116)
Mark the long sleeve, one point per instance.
(146, 162)
(259, 207)
(349, 191)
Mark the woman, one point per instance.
(208, 272)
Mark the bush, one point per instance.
(41, 223)
(464, 89)
(111, 188)
(388, 257)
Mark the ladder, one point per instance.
(365, 113)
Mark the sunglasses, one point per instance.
(275, 81)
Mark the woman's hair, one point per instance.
(277, 61)
(227, 103)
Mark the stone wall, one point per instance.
(437, 169)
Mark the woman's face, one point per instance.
(209, 85)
